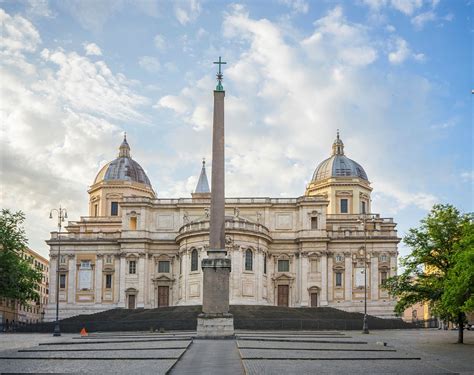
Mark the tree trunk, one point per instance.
(461, 328)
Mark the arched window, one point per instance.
(248, 260)
(194, 260)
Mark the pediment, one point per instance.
(283, 276)
(163, 278)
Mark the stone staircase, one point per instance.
(246, 317)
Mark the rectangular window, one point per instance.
(132, 267)
(163, 266)
(339, 258)
(133, 223)
(62, 259)
(363, 208)
(344, 206)
(62, 281)
(383, 277)
(314, 223)
(314, 265)
(283, 266)
(108, 281)
(96, 209)
(265, 264)
(338, 278)
(114, 209)
(108, 259)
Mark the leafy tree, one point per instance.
(429, 271)
(18, 277)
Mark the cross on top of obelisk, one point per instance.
(219, 75)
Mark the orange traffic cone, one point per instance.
(84, 332)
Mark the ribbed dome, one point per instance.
(123, 168)
(338, 165)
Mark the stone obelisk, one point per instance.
(215, 320)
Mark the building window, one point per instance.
(96, 209)
(344, 206)
(62, 259)
(62, 281)
(163, 266)
(108, 281)
(339, 258)
(114, 208)
(132, 267)
(248, 260)
(283, 266)
(265, 264)
(180, 265)
(338, 278)
(194, 260)
(383, 258)
(108, 259)
(363, 208)
(314, 265)
(314, 223)
(383, 277)
(133, 223)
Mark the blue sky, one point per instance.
(392, 75)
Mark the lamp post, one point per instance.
(363, 220)
(62, 214)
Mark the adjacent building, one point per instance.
(12, 311)
(137, 250)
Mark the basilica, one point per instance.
(137, 250)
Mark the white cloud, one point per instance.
(39, 8)
(18, 34)
(390, 28)
(174, 103)
(421, 19)
(92, 49)
(401, 52)
(468, 176)
(406, 6)
(150, 64)
(297, 6)
(58, 119)
(187, 11)
(159, 41)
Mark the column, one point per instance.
(348, 276)
(52, 278)
(122, 273)
(304, 279)
(98, 278)
(71, 279)
(374, 277)
(330, 279)
(141, 280)
(324, 279)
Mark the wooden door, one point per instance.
(131, 301)
(163, 296)
(314, 299)
(283, 294)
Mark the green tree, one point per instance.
(18, 277)
(436, 247)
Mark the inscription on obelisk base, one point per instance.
(215, 320)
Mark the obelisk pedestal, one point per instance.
(215, 320)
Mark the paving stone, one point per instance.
(292, 354)
(142, 367)
(308, 345)
(117, 345)
(92, 355)
(265, 367)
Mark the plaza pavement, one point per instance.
(265, 352)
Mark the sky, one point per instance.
(395, 76)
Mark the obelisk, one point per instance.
(215, 320)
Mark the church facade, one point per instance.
(136, 250)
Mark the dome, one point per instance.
(338, 165)
(124, 168)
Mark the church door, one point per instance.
(314, 299)
(283, 292)
(131, 301)
(163, 296)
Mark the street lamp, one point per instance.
(62, 214)
(363, 220)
